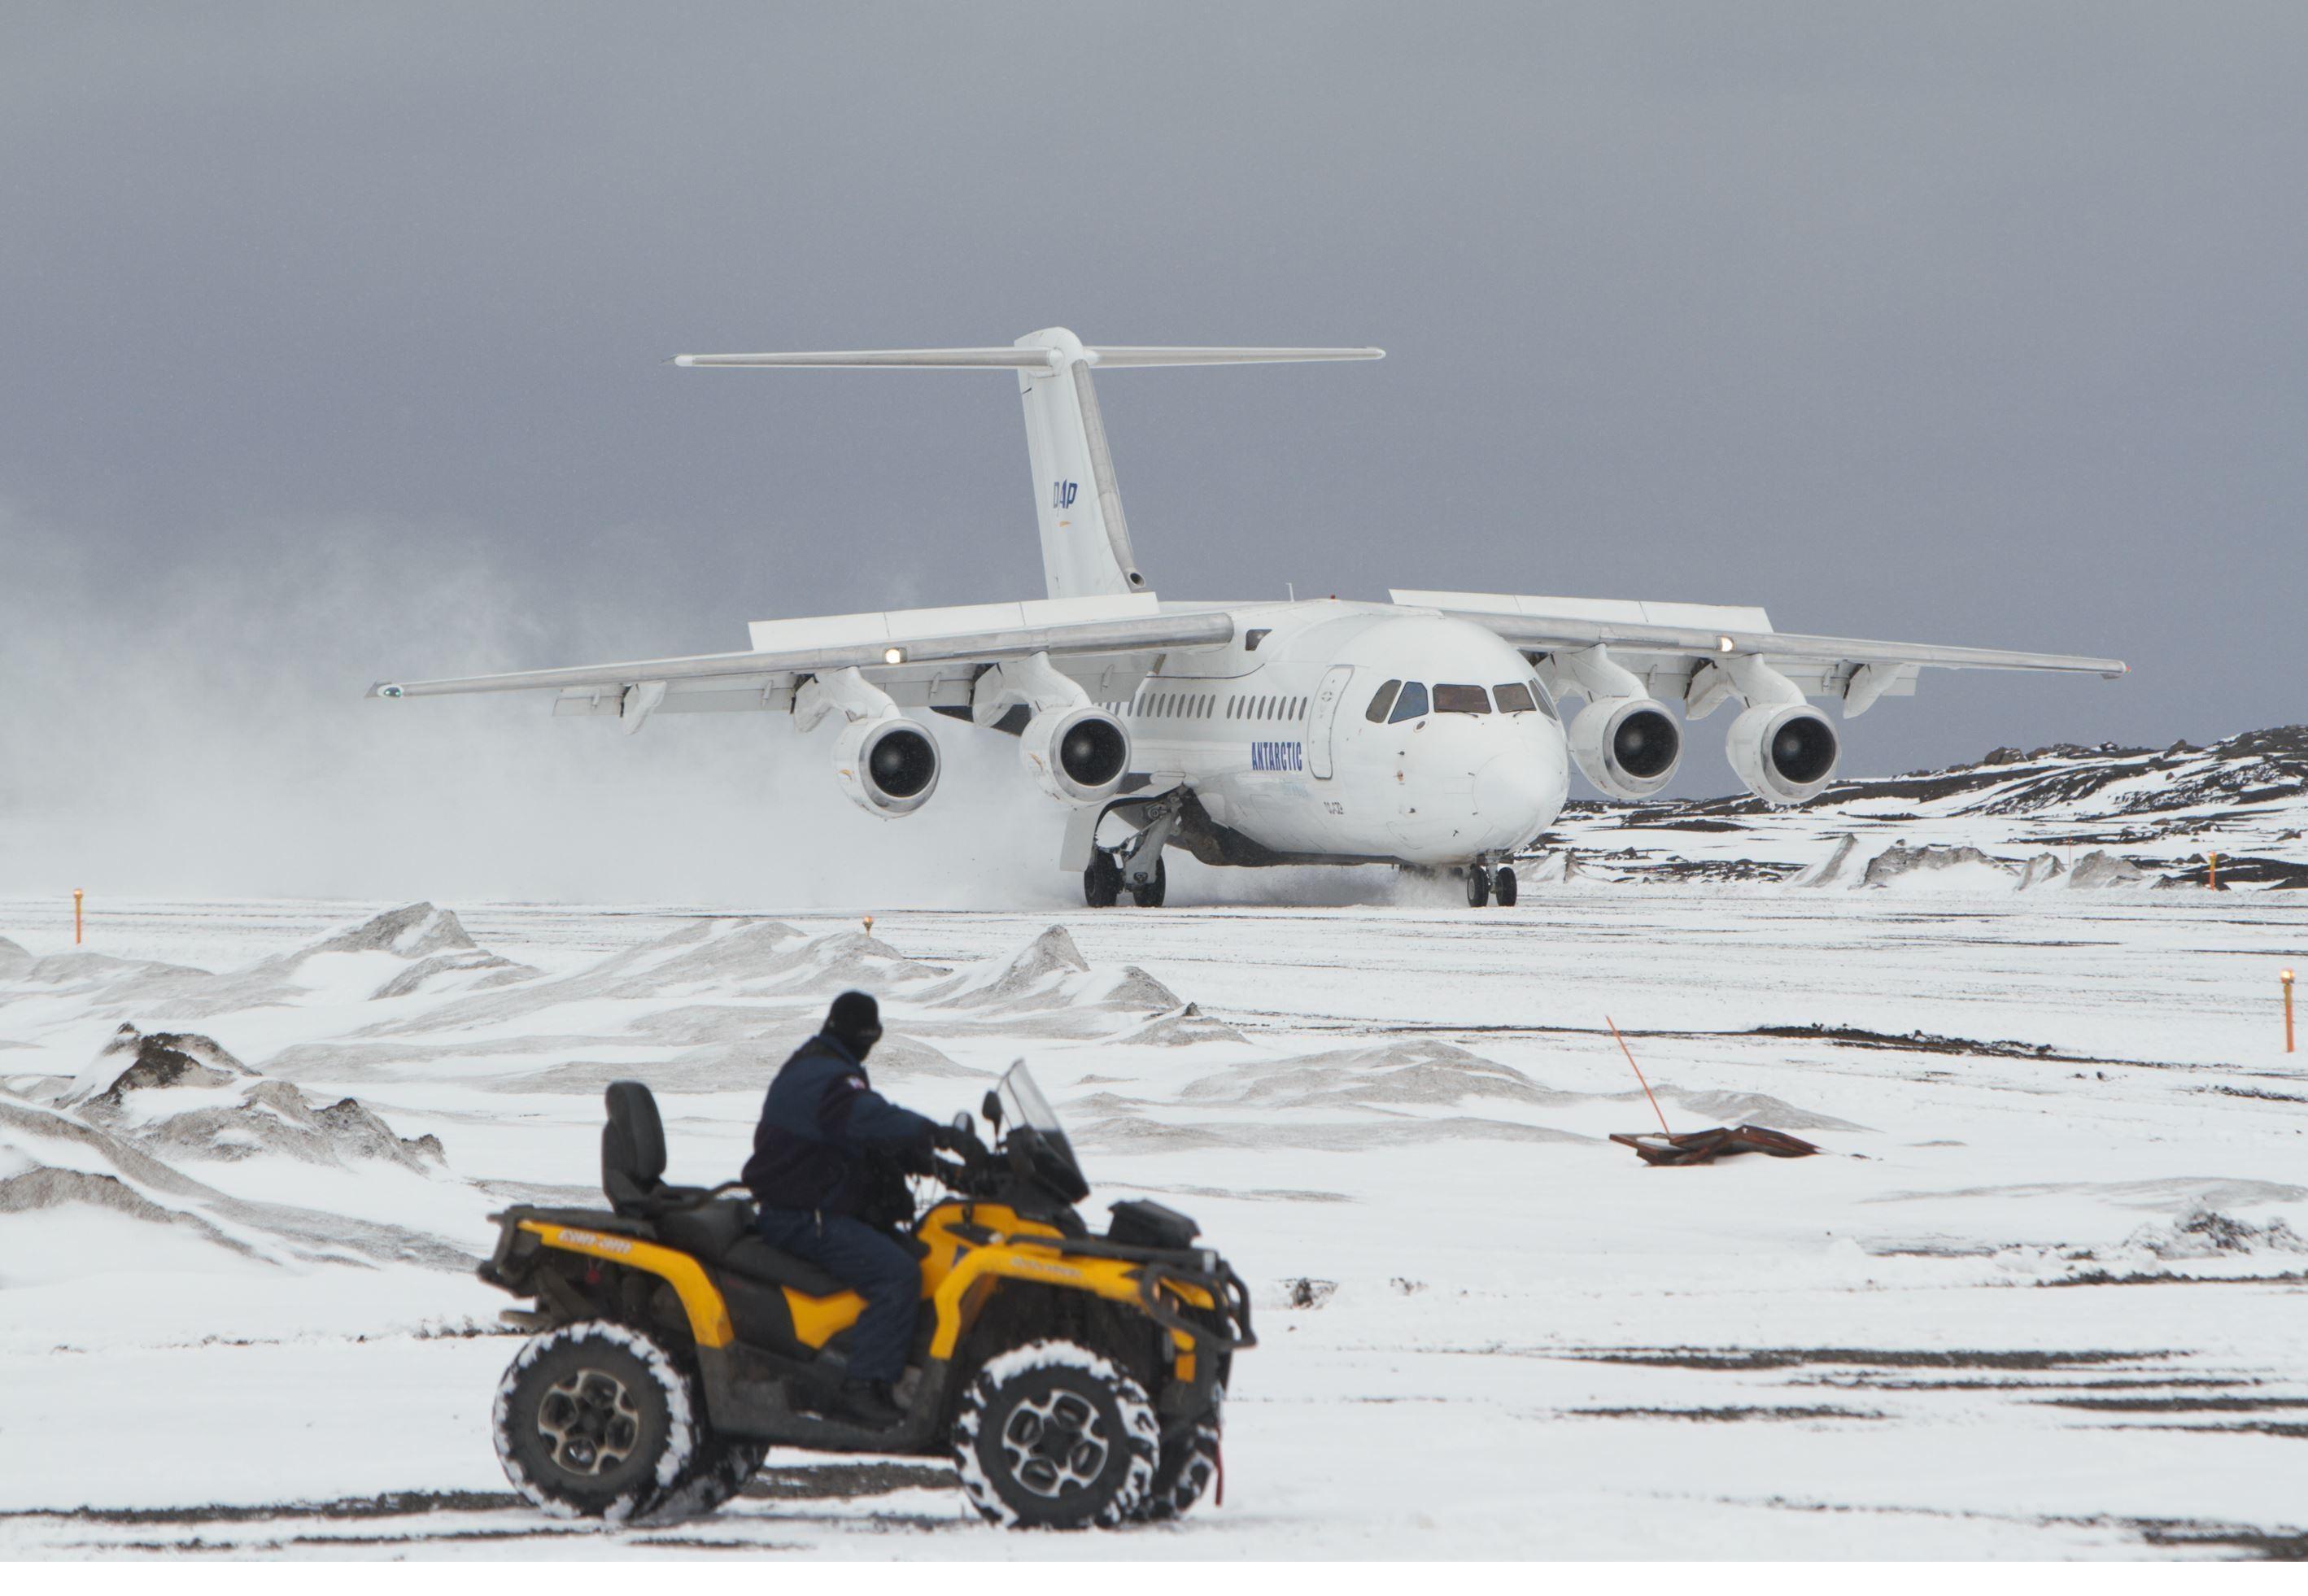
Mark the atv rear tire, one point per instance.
(718, 1471)
(595, 1420)
(1188, 1466)
(1053, 1437)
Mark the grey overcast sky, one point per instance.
(334, 337)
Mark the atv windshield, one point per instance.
(1023, 1101)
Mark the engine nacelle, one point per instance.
(888, 765)
(1784, 753)
(1078, 755)
(1629, 747)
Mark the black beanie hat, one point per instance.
(854, 1020)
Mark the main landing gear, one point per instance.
(1102, 883)
(1134, 867)
(1482, 882)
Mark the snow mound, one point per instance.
(1047, 974)
(473, 969)
(1423, 1071)
(80, 971)
(34, 1140)
(45, 1187)
(2207, 1233)
(413, 931)
(1183, 1027)
(133, 1062)
(180, 1093)
(839, 961)
(274, 1119)
(1030, 977)
(1755, 1107)
(1833, 870)
(1554, 869)
(745, 1064)
(752, 958)
(14, 959)
(1937, 867)
(2100, 868)
(415, 948)
(1136, 1133)
(2040, 871)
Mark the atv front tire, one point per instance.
(595, 1420)
(1053, 1437)
(1188, 1465)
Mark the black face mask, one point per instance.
(854, 1020)
(859, 1043)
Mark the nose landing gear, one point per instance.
(1482, 882)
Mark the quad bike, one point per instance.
(1074, 1379)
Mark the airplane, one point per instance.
(1425, 732)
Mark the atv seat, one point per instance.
(719, 1231)
(722, 1233)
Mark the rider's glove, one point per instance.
(958, 1139)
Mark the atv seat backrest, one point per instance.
(633, 1148)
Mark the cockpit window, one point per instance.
(1546, 705)
(1412, 703)
(1383, 701)
(1456, 698)
(1514, 698)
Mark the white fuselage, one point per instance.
(1274, 734)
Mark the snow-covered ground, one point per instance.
(2044, 1295)
(2053, 819)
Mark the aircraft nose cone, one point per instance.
(1513, 792)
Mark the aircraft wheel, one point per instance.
(1505, 888)
(1102, 882)
(1478, 886)
(1151, 895)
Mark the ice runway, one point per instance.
(2043, 1297)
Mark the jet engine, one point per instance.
(1628, 747)
(1078, 754)
(887, 765)
(1784, 752)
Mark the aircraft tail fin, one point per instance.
(1085, 538)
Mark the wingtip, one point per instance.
(384, 690)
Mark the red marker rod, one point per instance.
(1647, 1085)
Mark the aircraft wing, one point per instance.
(1672, 646)
(922, 657)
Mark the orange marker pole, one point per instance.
(2214, 859)
(76, 898)
(1639, 1070)
(2288, 1011)
(869, 925)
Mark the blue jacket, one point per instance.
(821, 1122)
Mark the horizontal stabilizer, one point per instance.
(1086, 550)
(1054, 357)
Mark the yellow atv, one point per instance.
(1074, 1379)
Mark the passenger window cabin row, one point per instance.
(1204, 706)
(1407, 701)
(1395, 700)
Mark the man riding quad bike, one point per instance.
(1074, 1379)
